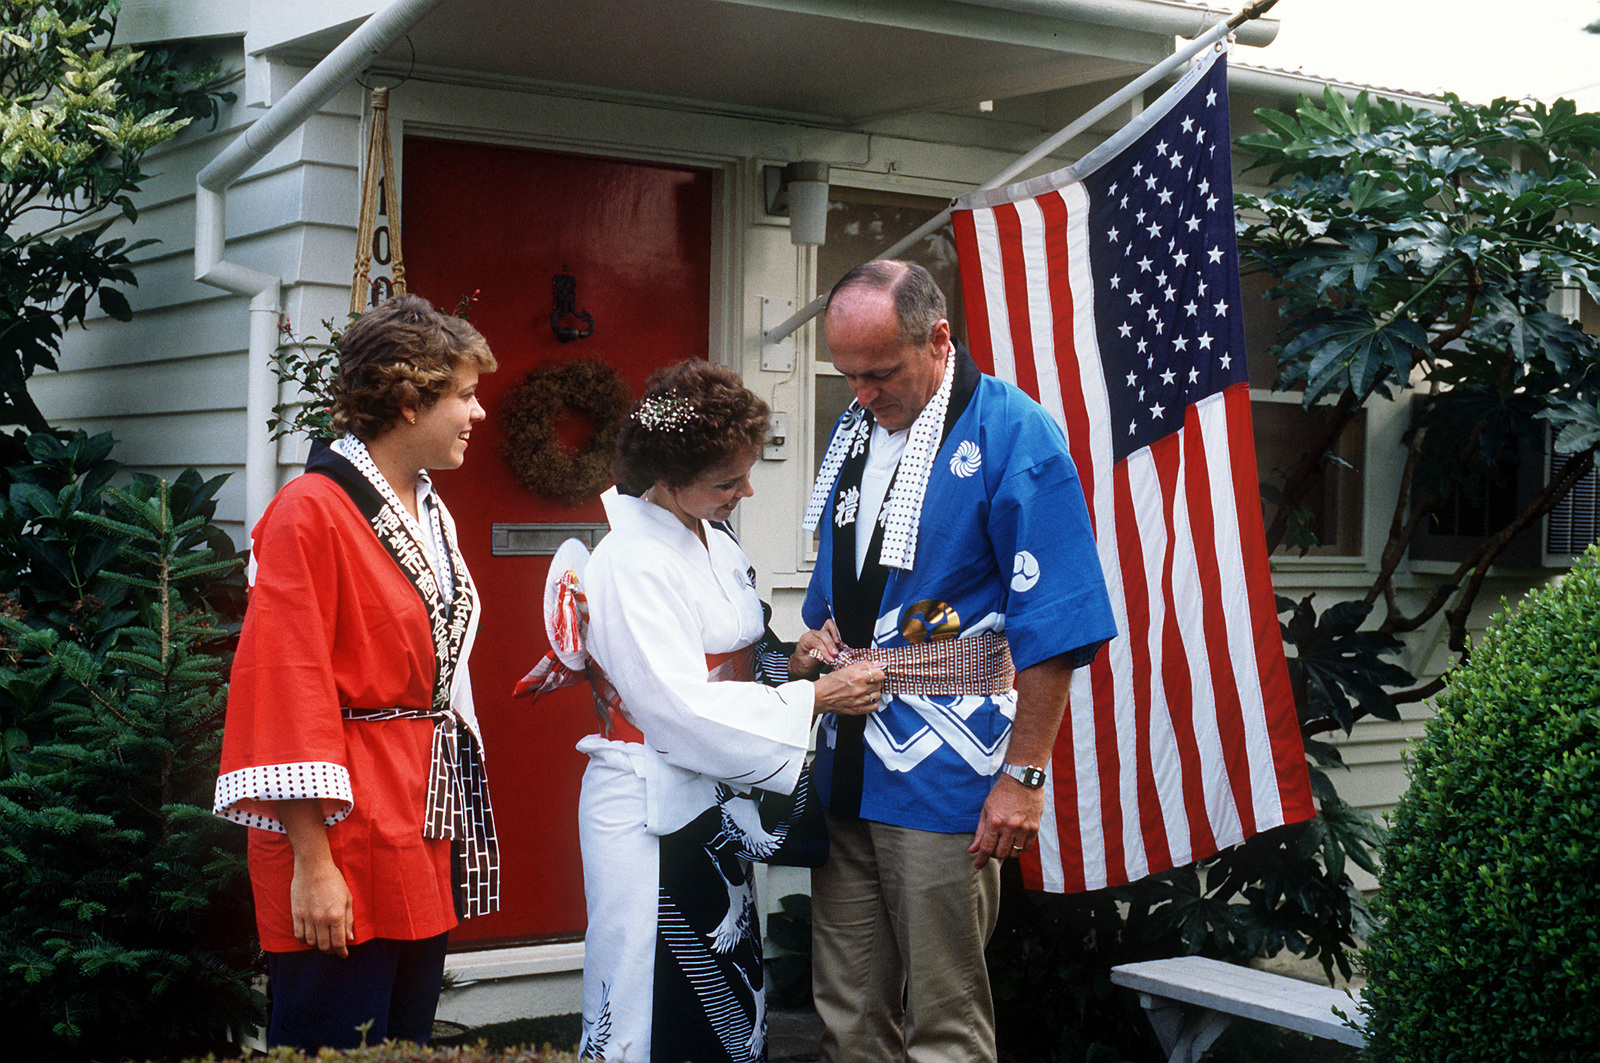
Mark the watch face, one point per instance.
(1032, 778)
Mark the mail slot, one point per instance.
(540, 540)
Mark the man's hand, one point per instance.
(1009, 822)
(1010, 819)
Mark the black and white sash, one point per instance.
(458, 788)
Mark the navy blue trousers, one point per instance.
(384, 990)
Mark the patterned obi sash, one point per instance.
(458, 800)
(978, 664)
(737, 666)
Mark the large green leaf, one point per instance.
(1350, 349)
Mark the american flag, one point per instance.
(1109, 291)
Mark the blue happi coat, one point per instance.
(1004, 544)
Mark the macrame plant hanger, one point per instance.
(378, 195)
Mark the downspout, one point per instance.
(353, 55)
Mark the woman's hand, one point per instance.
(321, 907)
(320, 904)
(815, 652)
(851, 691)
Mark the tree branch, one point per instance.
(1463, 319)
(1305, 473)
(1548, 499)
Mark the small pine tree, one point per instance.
(126, 930)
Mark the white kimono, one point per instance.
(660, 602)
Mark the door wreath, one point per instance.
(528, 417)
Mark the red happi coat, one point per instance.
(333, 623)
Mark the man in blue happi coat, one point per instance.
(955, 543)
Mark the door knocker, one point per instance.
(565, 287)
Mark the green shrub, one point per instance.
(403, 1052)
(126, 929)
(1490, 896)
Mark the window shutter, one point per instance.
(1572, 525)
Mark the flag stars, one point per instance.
(1112, 234)
(1135, 296)
(1116, 280)
(1194, 374)
(1153, 229)
(1161, 148)
(1125, 330)
(1222, 308)
(1176, 160)
(1188, 124)
(1191, 309)
(1133, 378)
(1215, 254)
(1211, 202)
(1211, 98)
(1145, 264)
(1179, 259)
(1193, 222)
(1170, 292)
(1157, 410)
(1150, 182)
(1205, 341)
(1165, 195)
(1168, 377)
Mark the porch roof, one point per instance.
(843, 63)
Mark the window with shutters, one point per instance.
(1575, 523)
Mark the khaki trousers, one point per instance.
(900, 919)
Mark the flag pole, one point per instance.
(1084, 121)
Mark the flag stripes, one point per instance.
(1109, 292)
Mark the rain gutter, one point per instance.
(1145, 16)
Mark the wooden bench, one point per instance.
(1220, 991)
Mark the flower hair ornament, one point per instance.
(665, 412)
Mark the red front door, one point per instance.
(502, 222)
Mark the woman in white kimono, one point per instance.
(672, 968)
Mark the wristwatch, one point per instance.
(1026, 774)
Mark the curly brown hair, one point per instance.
(402, 354)
(692, 416)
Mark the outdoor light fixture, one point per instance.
(800, 190)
